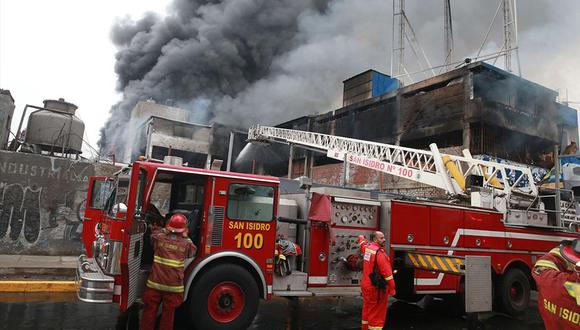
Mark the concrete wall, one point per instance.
(42, 202)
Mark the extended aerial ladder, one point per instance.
(513, 184)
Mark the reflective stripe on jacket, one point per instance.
(373, 252)
(170, 251)
(557, 285)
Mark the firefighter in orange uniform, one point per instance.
(165, 283)
(377, 281)
(557, 275)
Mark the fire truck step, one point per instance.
(336, 291)
(439, 263)
(292, 293)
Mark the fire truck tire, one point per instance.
(224, 297)
(513, 292)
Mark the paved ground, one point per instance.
(25, 261)
(62, 311)
(39, 267)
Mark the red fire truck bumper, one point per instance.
(93, 285)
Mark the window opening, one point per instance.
(250, 202)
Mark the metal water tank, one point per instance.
(6, 113)
(56, 128)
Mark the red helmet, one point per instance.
(177, 223)
(570, 250)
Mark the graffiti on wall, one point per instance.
(20, 213)
(42, 202)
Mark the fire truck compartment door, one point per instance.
(483, 230)
(445, 223)
(410, 224)
(318, 263)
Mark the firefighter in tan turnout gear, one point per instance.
(171, 247)
(557, 275)
(377, 282)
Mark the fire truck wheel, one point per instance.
(514, 292)
(224, 297)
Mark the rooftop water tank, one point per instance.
(6, 113)
(56, 128)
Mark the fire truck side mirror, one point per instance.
(119, 210)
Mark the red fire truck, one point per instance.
(236, 221)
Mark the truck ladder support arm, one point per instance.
(432, 168)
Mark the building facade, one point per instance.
(477, 107)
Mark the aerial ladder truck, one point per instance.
(495, 210)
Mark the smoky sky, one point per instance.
(243, 62)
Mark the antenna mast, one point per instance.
(507, 35)
(448, 40)
(510, 34)
(398, 42)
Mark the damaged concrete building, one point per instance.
(478, 106)
(159, 130)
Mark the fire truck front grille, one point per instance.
(135, 250)
(218, 225)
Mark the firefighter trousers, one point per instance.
(374, 311)
(152, 299)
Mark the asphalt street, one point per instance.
(63, 311)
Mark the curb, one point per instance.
(38, 286)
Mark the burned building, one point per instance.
(158, 130)
(478, 106)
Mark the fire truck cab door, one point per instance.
(243, 219)
(98, 190)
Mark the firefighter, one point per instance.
(570, 149)
(557, 275)
(165, 283)
(377, 281)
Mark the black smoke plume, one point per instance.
(243, 62)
